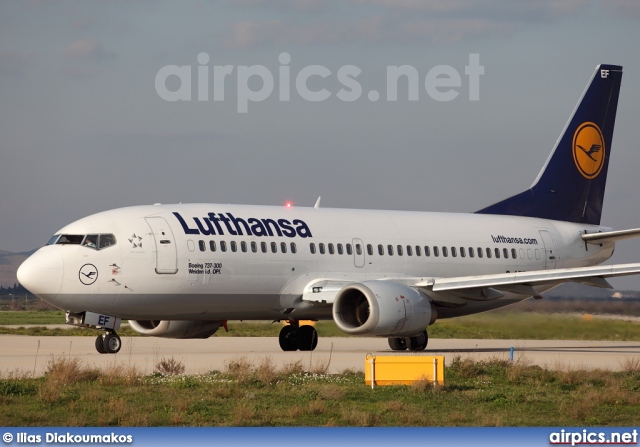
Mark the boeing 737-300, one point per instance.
(182, 271)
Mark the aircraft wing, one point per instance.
(610, 236)
(485, 287)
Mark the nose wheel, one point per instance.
(108, 343)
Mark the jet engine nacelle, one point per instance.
(382, 309)
(175, 328)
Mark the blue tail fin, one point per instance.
(571, 185)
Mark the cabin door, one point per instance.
(166, 250)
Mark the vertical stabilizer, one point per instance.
(571, 185)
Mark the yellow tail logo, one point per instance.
(588, 150)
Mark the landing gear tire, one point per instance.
(109, 343)
(287, 338)
(397, 344)
(307, 338)
(100, 345)
(417, 343)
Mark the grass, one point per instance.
(490, 325)
(486, 393)
(536, 326)
(31, 317)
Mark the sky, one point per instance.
(88, 120)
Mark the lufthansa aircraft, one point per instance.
(182, 271)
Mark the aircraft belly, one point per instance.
(180, 307)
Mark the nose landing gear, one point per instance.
(107, 343)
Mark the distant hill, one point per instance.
(9, 263)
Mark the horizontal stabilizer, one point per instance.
(610, 236)
(589, 275)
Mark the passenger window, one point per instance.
(274, 247)
(223, 246)
(409, 250)
(399, 250)
(243, 246)
(514, 253)
(445, 252)
(263, 247)
(488, 253)
(202, 245)
(190, 245)
(497, 252)
(212, 245)
(106, 240)
(340, 249)
(370, 249)
(321, 246)
(254, 247)
(294, 249)
(312, 248)
(471, 252)
(358, 249)
(331, 250)
(418, 251)
(234, 246)
(349, 249)
(462, 252)
(283, 247)
(479, 252)
(506, 253)
(427, 251)
(380, 249)
(453, 252)
(436, 252)
(390, 249)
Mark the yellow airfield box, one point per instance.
(403, 369)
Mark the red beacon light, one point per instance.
(288, 204)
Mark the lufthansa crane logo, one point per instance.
(88, 274)
(588, 150)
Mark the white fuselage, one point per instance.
(162, 266)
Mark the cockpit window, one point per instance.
(70, 239)
(91, 241)
(106, 240)
(53, 239)
(94, 241)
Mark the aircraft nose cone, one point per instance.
(41, 273)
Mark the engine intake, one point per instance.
(175, 328)
(382, 309)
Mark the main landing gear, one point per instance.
(294, 337)
(415, 344)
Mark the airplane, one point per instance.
(183, 270)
